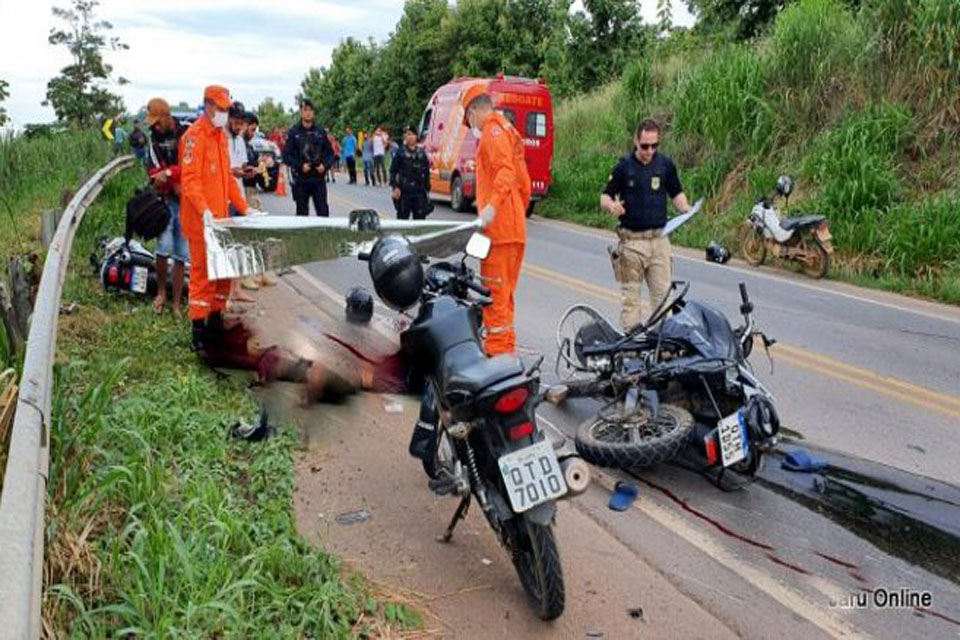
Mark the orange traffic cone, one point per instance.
(281, 183)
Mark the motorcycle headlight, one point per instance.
(598, 363)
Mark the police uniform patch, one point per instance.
(188, 151)
(655, 183)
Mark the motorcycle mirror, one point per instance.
(478, 246)
(785, 185)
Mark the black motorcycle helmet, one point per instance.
(763, 422)
(359, 305)
(717, 253)
(397, 272)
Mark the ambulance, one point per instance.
(452, 149)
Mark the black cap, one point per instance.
(237, 110)
(307, 102)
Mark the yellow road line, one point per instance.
(802, 358)
(803, 363)
(947, 399)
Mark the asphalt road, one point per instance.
(868, 374)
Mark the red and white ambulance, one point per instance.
(452, 148)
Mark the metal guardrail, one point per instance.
(23, 501)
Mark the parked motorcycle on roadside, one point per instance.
(478, 435)
(682, 381)
(805, 239)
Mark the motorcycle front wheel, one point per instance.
(634, 441)
(817, 261)
(753, 245)
(537, 561)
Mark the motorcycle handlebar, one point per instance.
(479, 288)
(364, 256)
(743, 293)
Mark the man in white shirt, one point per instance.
(237, 145)
(379, 149)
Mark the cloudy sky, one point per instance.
(254, 47)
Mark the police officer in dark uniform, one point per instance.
(637, 194)
(410, 178)
(309, 155)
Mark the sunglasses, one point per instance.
(646, 147)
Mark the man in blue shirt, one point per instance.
(348, 152)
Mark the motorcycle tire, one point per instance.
(603, 441)
(458, 201)
(537, 561)
(821, 264)
(753, 245)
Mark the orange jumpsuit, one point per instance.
(502, 181)
(206, 183)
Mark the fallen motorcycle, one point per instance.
(478, 436)
(681, 381)
(127, 266)
(804, 239)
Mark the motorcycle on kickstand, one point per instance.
(805, 239)
(681, 383)
(477, 435)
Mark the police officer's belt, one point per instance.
(648, 234)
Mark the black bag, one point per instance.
(147, 214)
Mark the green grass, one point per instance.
(159, 524)
(862, 107)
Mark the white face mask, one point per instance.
(220, 119)
(476, 132)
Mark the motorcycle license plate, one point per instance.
(532, 476)
(823, 233)
(138, 281)
(732, 433)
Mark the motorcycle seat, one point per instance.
(789, 224)
(469, 371)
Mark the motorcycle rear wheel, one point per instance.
(817, 266)
(753, 245)
(637, 441)
(537, 561)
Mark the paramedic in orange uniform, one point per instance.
(503, 193)
(207, 186)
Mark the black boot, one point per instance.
(197, 334)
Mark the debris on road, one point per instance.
(392, 406)
(624, 494)
(803, 461)
(353, 517)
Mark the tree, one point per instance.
(79, 94)
(600, 41)
(272, 115)
(4, 94)
(747, 17)
(514, 37)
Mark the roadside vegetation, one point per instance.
(861, 106)
(158, 523)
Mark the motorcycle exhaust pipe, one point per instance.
(576, 473)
